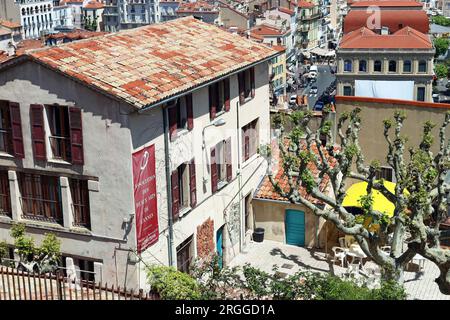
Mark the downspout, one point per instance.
(239, 176)
(168, 184)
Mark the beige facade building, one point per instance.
(406, 55)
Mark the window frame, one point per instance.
(389, 66)
(60, 143)
(6, 129)
(381, 66)
(424, 93)
(410, 66)
(80, 203)
(418, 66)
(344, 90)
(365, 66)
(185, 254)
(5, 194)
(348, 62)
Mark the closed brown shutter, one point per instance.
(38, 132)
(175, 195)
(228, 160)
(214, 176)
(76, 135)
(226, 92)
(241, 80)
(252, 81)
(16, 128)
(190, 112)
(173, 122)
(212, 101)
(192, 183)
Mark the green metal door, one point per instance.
(295, 227)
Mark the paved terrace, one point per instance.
(290, 259)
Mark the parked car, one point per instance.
(318, 106)
(313, 90)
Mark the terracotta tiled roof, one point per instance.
(9, 24)
(305, 4)
(263, 30)
(279, 48)
(94, 4)
(76, 35)
(267, 191)
(387, 3)
(286, 10)
(406, 38)
(198, 6)
(416, 19)
(4, 32)
(145, 65)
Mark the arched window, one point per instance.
(348, 65)
(23, 11)
(36, 9)
(362, 65)
(407, 66)
(422, 66)
(377, 66)
(392, 66)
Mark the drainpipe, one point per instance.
(239, 176)
(168, 185)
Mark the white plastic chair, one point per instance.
(342, 242)
(339, 254)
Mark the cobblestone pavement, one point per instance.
(290, 259)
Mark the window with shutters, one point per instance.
(80, 201)
(6, 144)
(5, 196)
(40, 197)
(221, 165)
(11, 141)
(185, 255)
(59, 136)
(180, 113)
(184, 189)
(219, 98)
(250, 139)
(246, 81)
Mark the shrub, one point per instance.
(3, 250)
(172, 284)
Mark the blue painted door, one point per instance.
(219, 242)
(295, 227)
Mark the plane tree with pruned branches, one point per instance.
(420, 196)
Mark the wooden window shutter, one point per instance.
(226, 92)
(228, 160)
(16, 128)
(175, 195)
(76, 135)
(252, 81)
(241, 80)
(192, 183)
(38, 132)
(173, 122)
(190, 112)
(212, 101)
(214, 173)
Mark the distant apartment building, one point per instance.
(128, 14)
(137, 147)
(230, 17)
(92, 15)
(201, 10)
(63, 16)
(397, 65)
(14, 28)
(35, 16)
(168, 10)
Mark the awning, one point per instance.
(380, 202)
(323, 52)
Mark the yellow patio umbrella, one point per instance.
(380, 202)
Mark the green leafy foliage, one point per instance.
(441, 70)
(172, 284)
(3, 250)
(441, 20)
(441, 45)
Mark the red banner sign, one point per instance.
(145, 198)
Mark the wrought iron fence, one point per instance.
(21, 285)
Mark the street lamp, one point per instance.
(217, 123)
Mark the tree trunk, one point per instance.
(391, 273)
(443, 280)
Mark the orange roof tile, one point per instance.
(305, 4)
(10, 24)
(263, 30)
(94, 4)
(416, 19)
(279, 48)
(406, 38)
(145, 65)
(386, 3)
(198, 6)
(286, 10)
(267, 191)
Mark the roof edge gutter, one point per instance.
(204, 84)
